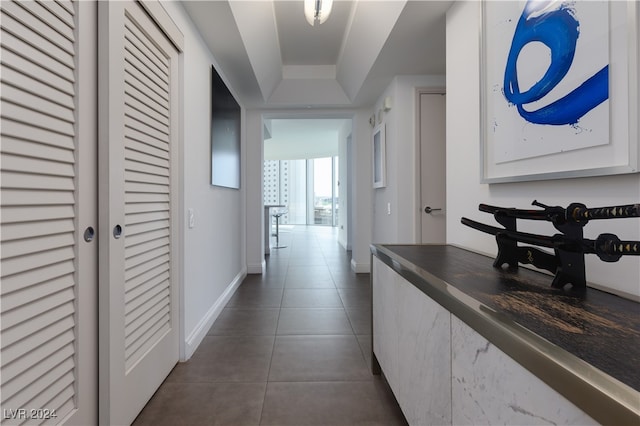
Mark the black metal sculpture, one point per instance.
(567, 261)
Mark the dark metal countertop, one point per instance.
(587, 348)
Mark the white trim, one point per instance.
(200, 331)
(360, 268)
(259, 268)
(162, 19)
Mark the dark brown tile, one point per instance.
(364, 340)
(312, 258)
(317, 358)
(318, 272)
(245, 322)
(326, 403)
(311, 298)
(313, 321)
(360, 319)
(227, 359)
(248, 297)
(309, 282)
(355, 297)
(204, 404)
(265, 281)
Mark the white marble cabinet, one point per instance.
(412, 343)
(443, 372)
(489, 387)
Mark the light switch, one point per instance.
(192, 219)
(388, 208)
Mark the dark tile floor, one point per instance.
(292, 347)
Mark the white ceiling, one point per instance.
(272, 58)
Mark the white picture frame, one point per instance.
(604, 141)
(379, 148)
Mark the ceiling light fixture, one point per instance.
(317, 11)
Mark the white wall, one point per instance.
(343, 190)
(402, 162)
(214, 249)
(361, 196)
(464, 192)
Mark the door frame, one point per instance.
(439, 90)
(87, 213)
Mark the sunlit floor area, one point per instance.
(292, 347)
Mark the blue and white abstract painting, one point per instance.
(547, 77)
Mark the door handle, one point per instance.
(89, 233)
(429, 210)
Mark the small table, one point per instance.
(267, 225)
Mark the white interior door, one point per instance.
(433, 168)
(139, 131)
(48, 331)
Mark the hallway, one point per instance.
(292, 347)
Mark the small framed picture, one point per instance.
(379, 161)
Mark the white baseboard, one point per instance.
(360, 268)
(200, 331)
(257, 268)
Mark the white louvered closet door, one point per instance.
(48, 290)
(138, 131)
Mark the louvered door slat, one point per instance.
(28, 149)
(39, 360)
(27, 132)
(52, 20)
(24, 313)
(26, 181)
(67, 5)
(33, 198)
(12, 231)
(31, 342)
(135, 36)
(43, 29)
(31, 85)
(145, 116)
(147, 246)
(145, 335)
(141, 156)
(136, 60)
(135, 240)
(136, 135)
(36, 372)
(38, 199)
(39, 69)
(59, 11)
(54, 382)
(37, 103)
(36, 50)
(26, 297)
(131, 176)
(21, 163)
(149, 98)
(148, 277)
(151, 216)
(145, 286)
(137, 78)
(15, 334)
(134, 121)
(145, 58)
(144, 257)
(26, 115)
(14, 214)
